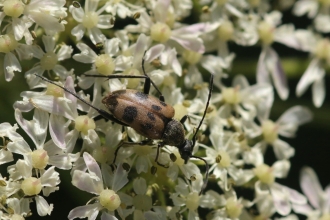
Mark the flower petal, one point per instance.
(283, 150)
(120, 178)
(36, 128)
(86, 182)
(318, 91)
(311, 187)
(91, 211)
(310, 75)
(292, 118)
(92, 166)
(43, 208)
(11, 64)
(57, 130)
(87, 55)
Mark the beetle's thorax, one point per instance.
(173, 133)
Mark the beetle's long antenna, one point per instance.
(100, 111)
(65, 89)
(206, 175)
(207, 105)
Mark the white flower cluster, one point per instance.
(176, 48)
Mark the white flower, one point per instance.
(224, 206)
(32, 186)
(45, 153)
(269, 62)
(49, 61)
(318, 198)
(162, 30)
(107, 198)
(104, 64)
(9, 45)
(143, 204)
(316, 10)
(188, 169)
(187, 196)
(41, 12)
(266, 188)
(8, 131)
(286, 126)
(90, 19)
(122, 8)
(62, 104)
(20, 208)
(315, 73)
(224, 161)
(244, 99)
(227, 8)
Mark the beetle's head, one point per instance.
(186, 149)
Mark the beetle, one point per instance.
(149, 116)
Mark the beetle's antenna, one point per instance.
(207, 105)
(206, 175)
(102, 112)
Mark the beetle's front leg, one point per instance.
(160, 145)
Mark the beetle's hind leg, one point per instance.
(148, 81)
(144, 142)
(123, 143)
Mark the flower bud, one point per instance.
(31, 186)
(192, 201)
(104, 64)
(48, 61)
(39, 159)
(7, 43)
(83, 123)
(264, 173)
(13, 8)
(269, 131)
(109, 199)
(90, 19)
(233, 207)
(160, 32)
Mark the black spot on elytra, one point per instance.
(130, 114)
(151, 116)
(156, 107)
(163, 103)
(147, 126)
(141, 95)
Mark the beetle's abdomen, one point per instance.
(144, 113)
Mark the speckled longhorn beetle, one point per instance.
(148, 116)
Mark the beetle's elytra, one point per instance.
(147, 115)
(144, 113)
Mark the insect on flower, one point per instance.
(149, 116)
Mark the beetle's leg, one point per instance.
(147, 82)
(160, 145)
(144, 142)
(183, 119)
